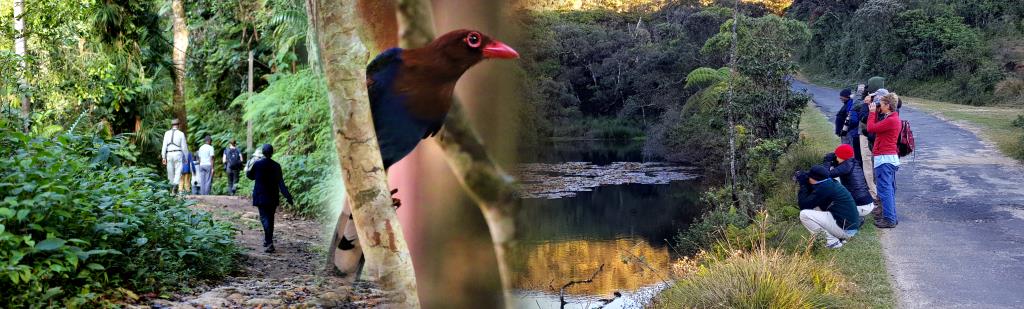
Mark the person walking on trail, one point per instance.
(188, 168)
(172, 152)
(825, 206)
(268, 186)
(205, 154)
(886, 155)
(843, 164)
(232, 159)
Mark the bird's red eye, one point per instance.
(473, 40)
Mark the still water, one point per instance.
(623, 218)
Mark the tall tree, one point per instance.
(19, 49)
(343, 57)
(178, 56)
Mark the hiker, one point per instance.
(886, 154)
(848, 120)
(841, 129)
(843, 164)
(205, 155)
(188, 168)
(825, 206)
(268, 182)
(875, 85)
(171, 153)
(232, 159)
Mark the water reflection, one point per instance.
(625, 227)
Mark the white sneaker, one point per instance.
(834, 244)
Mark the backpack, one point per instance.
(905, 140)
(234, 163)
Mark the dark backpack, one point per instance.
(234, 163)
(905, 141)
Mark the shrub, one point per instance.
(77, 228)
(760, 279)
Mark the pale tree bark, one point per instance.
(343, 57)
(178, 54)
(729, 99)
(487, 184)
(248, 123)
(20, 50)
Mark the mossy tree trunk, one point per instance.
(487, 184)
(178, 57)
(343, 57)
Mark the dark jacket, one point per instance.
(851, 174)
(268, 181)
(828, 195)
(841, 117)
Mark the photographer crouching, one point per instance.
(826, 206)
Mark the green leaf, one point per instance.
(6, 212)
(50, 244)
(95, 266)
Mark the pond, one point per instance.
(593, 203)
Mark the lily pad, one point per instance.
(561, 180)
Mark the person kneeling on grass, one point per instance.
(845, 165)
(825, 206)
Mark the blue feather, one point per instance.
(398, 131)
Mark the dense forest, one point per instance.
(636, 74)
(86, 217)
(962, 51)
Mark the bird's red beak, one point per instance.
(499, 50)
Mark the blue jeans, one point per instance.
(885, 180)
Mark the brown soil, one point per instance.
(292, 277)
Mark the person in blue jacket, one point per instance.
(268, 186)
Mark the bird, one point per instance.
(411, 90)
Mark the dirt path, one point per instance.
(960, 240)
(290, 277)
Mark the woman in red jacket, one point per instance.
(886, 154)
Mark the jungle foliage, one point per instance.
(79, 227)
(933, 49)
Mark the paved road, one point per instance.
(960, 241)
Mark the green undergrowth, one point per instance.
(754, 252)
(78, 228)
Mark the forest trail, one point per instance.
(960, 239)
(290, 277)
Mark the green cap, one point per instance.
(875, 83)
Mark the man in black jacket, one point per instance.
(825, 206)
(268, 181)
(843, 164)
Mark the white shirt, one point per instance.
(205, 155)
(890, 159)
(174, 141)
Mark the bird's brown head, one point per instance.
(465, 48)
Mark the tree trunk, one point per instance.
(248, 123)
(178, 54)
(487, 184)
(343, 59)
(729, 105)
(20, 51)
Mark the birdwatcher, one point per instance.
(826, 207)
(267, 188)
(233, 164)
(172, 152)
(843, 164)
(205, 155)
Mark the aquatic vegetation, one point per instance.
(560, 180)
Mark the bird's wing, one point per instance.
(387, 58)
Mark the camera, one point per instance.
(801, 177)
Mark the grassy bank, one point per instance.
(993, 124)
(754, 276)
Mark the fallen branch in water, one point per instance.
(561, 293)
